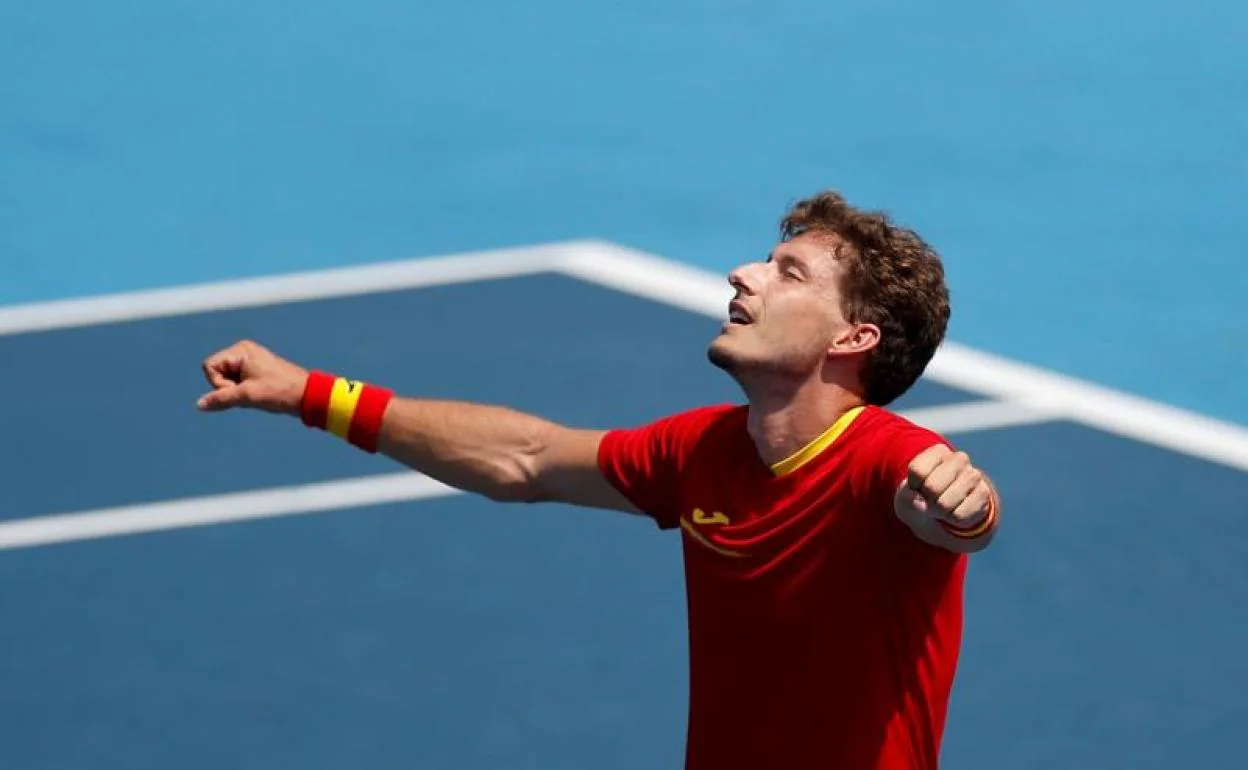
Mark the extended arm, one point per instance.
(497, 452)
(493, 451)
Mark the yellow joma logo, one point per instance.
(702, 517)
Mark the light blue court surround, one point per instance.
(1083, 167)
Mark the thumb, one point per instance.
(223, 398)
(910, 499)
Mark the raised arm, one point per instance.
(493, 451)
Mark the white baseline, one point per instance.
(954, 365)
(1016, 393)
(404, 486)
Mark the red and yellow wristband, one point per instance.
(975, 530)
(349, 409)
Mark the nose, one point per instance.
(740, 280)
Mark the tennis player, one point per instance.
(825, 538)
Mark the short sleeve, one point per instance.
(645, 463)
(898, 445)
(906, 442)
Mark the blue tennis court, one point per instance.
(189, 590)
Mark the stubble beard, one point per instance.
(755, 375)
(720, 357)
(744, 370)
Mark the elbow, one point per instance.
(533, 471)
(525, 475)
(518, 480)
(514, 490)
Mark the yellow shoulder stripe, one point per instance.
(817, 445)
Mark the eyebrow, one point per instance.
(791, 257)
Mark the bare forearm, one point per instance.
(494, 451)
(488, 450)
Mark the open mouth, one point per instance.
(737, 315)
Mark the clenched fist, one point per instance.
(250, 376)
(942, 484)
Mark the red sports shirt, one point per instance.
(822, 632)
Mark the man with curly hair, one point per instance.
(825, 538)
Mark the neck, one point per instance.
(782, 419)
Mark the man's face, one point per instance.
(786, 316)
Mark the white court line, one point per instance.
(325, 496)
(275, 290)
(219, 509)
(954, 365)
(951, 419)
(647, 276)
(1024, 394)
(1111, 411)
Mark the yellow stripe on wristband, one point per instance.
(342, 401)
(983, 526)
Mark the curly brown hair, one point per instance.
(892, 278)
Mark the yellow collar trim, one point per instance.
(820, 443)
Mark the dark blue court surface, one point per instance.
(1105, 630)
(125, 392)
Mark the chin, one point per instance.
(719, 354)
(727, 356)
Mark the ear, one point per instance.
(854, 339)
